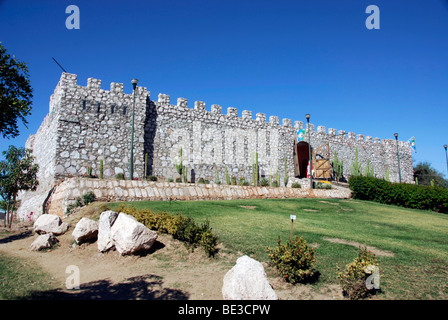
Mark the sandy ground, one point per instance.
(168, 271)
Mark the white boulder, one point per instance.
(44, 241)
(86, 230)
(130, 236)
(50, 223)
(107, 219)
(247, 280)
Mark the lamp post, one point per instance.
(131, 169)
(398, 156)
(446, 156)
(307, 116)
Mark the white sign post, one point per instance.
(293, 217)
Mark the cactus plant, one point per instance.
(286, 178)
(369, 171)
(227, 177)
(386, 175)
(255, 169)
(146, 165)
(180, 168)
(338, 167)
(356, 168)
(101, 169)
(217, 181)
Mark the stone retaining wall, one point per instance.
(128, 190)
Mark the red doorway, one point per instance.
(302, 158)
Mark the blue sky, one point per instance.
(283, 58)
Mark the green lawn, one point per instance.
(418, 239)
(19, 279)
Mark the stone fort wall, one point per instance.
(87, 124)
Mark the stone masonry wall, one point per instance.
(87, 124)
(212, 141)
(95, 125)
(44, 146)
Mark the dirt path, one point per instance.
(169, 271)
(378, 252)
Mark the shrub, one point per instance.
(208, 240)
(401, 194)
(296, 185)
(178, 180)
(152, 178)
(274, 183)
(181, 228)
(88, 197)
(243, 182)
(264, 182)
(201, 181)
(294, 260)
(321, 185)
(233, 181)
(353, 279)
(119, 176)
(70, 208)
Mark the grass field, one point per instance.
(418, 239)
(19, 278)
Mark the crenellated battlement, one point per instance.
(118, 103)
(217, 110)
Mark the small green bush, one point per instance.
(321, 185)
(401, 194)
(119, 176)
(88, 197)
(201, 181)
(264, 182)
(296, 185)
(274, 183)
(233, 181)
(152, 178)
(353, 278)
(208, 240)
(294, 260)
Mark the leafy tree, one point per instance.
(15, 94)
(18, 172)
(424, 172)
